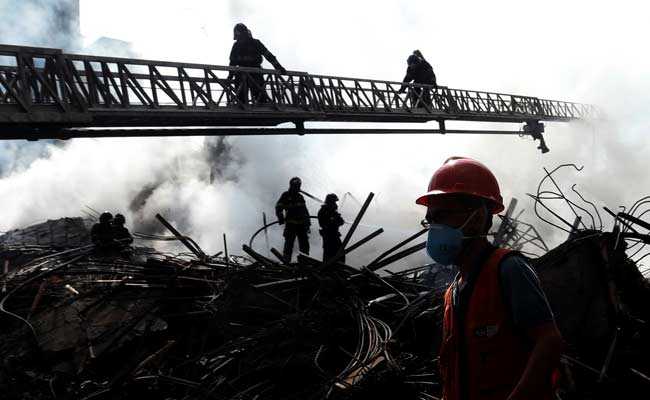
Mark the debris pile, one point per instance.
(147, 324)
(64, 232)
(600, 301)
(160, 326)
(596, 287)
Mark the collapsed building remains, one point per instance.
(197, 326)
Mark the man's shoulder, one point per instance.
(516, 274)
(256, 43)
(523, 292)
(247, 43)
(292, 197)
(238, 44)
(514, 261)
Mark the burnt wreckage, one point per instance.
(76, 324)
(192, 325)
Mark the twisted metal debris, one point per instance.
(598, 290)
(197, 326)
(194, 326)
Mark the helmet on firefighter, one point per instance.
(413, 59)
(295, 181)
(464, 176)
(241, 30)
(119, 219)
(331, 198)
(105, 217)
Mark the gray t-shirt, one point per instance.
(522, 293)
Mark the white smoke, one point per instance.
(50, 23)
(556, 51)
(35, 23)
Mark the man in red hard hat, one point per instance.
(500, 340)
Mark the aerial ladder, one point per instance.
(49, 94)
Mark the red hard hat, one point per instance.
(461, 175)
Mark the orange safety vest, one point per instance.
(496, 355)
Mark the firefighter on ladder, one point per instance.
(421, 72)
(499, 340)
(249, 52)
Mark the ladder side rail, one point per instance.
(227, 86)
(349, 94)
(111, 83)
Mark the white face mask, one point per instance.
(444, 242)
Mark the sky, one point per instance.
(584, 51)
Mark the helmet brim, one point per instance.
(429, 198)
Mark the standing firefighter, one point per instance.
(419, 71)
(248, 52)
(291, 211)
(330, 221)
(500, 340)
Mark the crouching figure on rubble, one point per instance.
(110, 236)
(101, 234)
(121, 234)
(500, 340)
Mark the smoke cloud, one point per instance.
(211, 186)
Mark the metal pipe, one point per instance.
(364, 240)
(65, 133)
(266, 233)
(399, 256)
(311, 196)
(397, 246)
(196, 251)
(225, 250)
(641, 375)
(350, 231)
(608, 359)
(357, 219)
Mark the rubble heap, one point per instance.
(155, 325)
(600, 301)
(76, 325)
